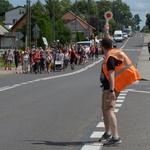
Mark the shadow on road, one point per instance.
(52, 143)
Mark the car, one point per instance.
(114, 46)
(114, 43)
(118, 36)
(125, 35)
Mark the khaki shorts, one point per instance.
(106, 103)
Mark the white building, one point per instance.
(13, 15)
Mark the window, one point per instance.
(72, 24)
(21, 11)
(14, 21)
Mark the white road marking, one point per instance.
(120, 101)
(92, 146)
(132, 90)
(116, 110)
(48, 78)
(118, 105)
(97, 134)
(132, 50)
(100, 125)
(121, 97)
(121, 94)
(125, 43)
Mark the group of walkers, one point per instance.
(38, 60)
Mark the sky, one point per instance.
(141, 7)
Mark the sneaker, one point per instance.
(104, 137)
(112, 142)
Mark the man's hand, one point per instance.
(112, 96)
(107, 28)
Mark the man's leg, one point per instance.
(105, 102)
(113, 123)
(106, 121)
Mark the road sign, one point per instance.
(108, 15)
(36, 28)
(19, 35)
(36, 31)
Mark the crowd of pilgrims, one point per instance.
(41, 61)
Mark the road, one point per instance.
(62, 111)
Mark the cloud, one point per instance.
(139, 5)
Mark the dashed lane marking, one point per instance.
(120, 100)
(132, 50)
(100, 125)
(116, 110)
(121, 97)
(118, 105)
(92, 146)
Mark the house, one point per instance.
(7, 40)
(13, 19)
(76, 24)
(19, 23)
(13, 15)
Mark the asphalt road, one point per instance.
(61, 111)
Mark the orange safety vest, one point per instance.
(125, 73)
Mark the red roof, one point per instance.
(69, 16)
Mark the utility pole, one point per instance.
(28, 24)
(76, 21)
(53, 18)
(88, 19)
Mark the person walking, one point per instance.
(16, 57)
(66, 58)
(10, 59)
(48, 61)
(117, 72)
(72, 57)
(42, 61)
(25, 62)
(36, 60)
(149, 49)
(5, 55)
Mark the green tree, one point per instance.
(45, 31)
(80, 36)
(148, 20)
(5, 5)
(63, 33)
(65, 6)
(38, 10)
(136, 21)
(60, 31)
(40, 16)
(54, 9)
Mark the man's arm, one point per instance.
(112, 95)
(107, 31)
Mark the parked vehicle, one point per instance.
(118, 36)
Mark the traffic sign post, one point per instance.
(108, 15)
(36, 31)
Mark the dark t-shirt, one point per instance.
(16, 55)
(111, 63)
